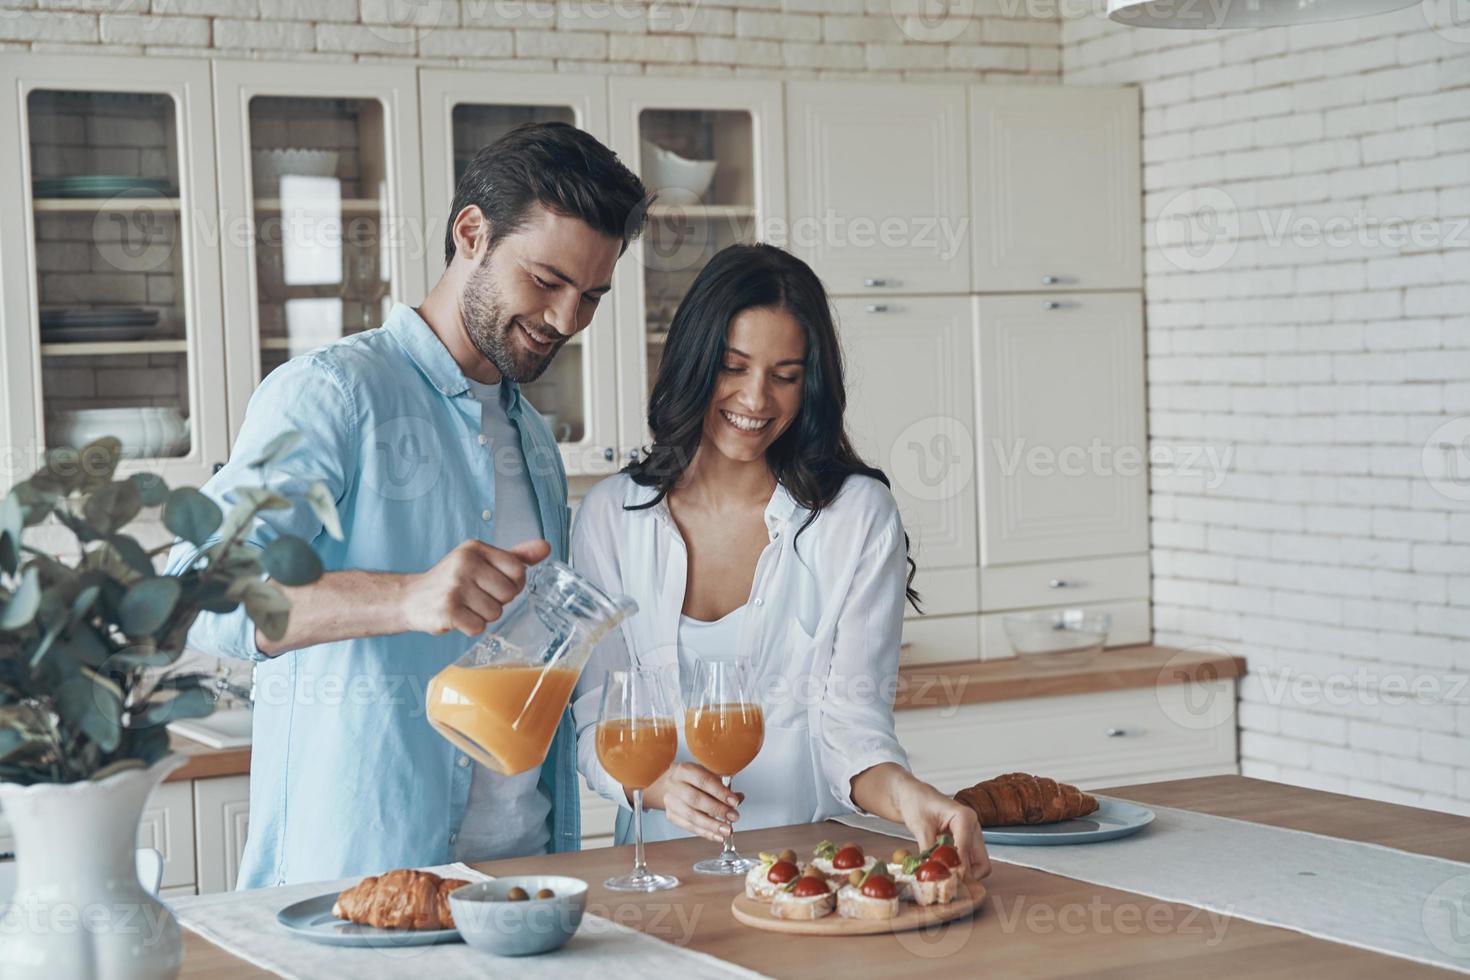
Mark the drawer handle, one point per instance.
(608, 454)
(878, 307)
(876, 283)
(1049, 280)
(1051, 304)
(1059, 583)
(1116, 732)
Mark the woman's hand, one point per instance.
(927, 813)
(695, 800)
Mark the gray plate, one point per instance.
(1111, 819)
(313, 919)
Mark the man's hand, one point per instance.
(469, 588)
(695, 800)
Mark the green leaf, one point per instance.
(152, 489)
(290, 561)
(84, 646)
(62, 474)
(113, 506)
(36, 503)
(191, 515)
(325, 508)
(142, 655)
(12, 523)
(131, 553)
(267, 608)
(276, 449)
(21, 608)
(9, 552)
(148, 604)
(167, 706)
(93, 703)
(98, 461)
(85, 532)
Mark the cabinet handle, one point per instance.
(1051, 304)
(608, 454)
(1059, 583)
(216, 467)
(878, 307)
(632, 455)
(1049, 280)
(1116, 732)
(876, 283)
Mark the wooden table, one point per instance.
(1034, 924)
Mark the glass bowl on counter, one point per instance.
(1058, 637)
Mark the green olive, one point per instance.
(899, 856)
(788, 855)
(856, 877)
(546, 893)
(516, 894)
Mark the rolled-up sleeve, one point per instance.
(594, 556)
(855, 716)
(306, 395)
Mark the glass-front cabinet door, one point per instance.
(319, 176)
(462, 113)
(712, 154)
(110, 287)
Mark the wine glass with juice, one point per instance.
(637, 739)
(724, 728)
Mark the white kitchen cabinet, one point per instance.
(110, 313)
(1138, 735)
(462, 112)
(320, 187)
(221, 819)
(1055, 188)
(1063, 452)
(167, 826)
(911, 409)
(879, 197)
(655, 123)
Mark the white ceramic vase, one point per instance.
(78, 910)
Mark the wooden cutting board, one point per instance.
(910, 916)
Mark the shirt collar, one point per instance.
(779, 511)
(434, 361)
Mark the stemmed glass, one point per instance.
(724, 728)
(637, 739)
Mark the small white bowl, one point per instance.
(489, 921)
(665, 170)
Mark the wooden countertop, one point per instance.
(1179, 941)
(924, 686)
(977, 681)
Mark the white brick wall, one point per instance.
(717, 38)
(1324, 357)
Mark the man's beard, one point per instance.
(492, 330)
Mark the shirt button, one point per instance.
(759, 602)
(484, 515)
(464, 760)
(483, 438)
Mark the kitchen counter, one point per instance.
(924, 686)
(994, 943)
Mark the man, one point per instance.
(448, 484)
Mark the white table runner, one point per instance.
(1364, 895)
(244, 923)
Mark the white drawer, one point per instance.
(939, 639)
(1130, 626)
(1088, 739)
(1053, 583)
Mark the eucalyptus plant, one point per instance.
(88, 649)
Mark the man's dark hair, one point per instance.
(557, 166)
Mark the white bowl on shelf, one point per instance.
(145, 432)
(665, 170)
(268, 166)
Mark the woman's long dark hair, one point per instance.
(814, 456)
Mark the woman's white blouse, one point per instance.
(822, 627)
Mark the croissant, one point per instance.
(1020, 798)
(401, 899)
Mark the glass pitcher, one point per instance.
(501, 701)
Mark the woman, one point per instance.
(753, 528)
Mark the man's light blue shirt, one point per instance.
(347, 777)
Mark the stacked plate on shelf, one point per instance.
(100, 185)
(96, 325)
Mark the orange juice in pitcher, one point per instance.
(501, 702)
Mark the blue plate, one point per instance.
(313, 919)
(1111, 819)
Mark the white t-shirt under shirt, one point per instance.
(506, 815)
